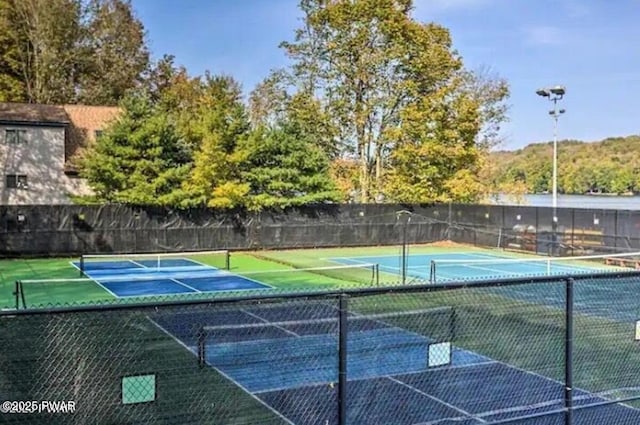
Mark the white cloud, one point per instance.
(544, 35)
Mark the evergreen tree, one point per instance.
(140, 159)
(284, 169)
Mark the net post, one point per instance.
(403, 263)
(16, 293)
(342, 359)
(202, 355)
(568, 353)
(405, 224)
(376, 271)
(227, 260)
(432, 272)
(81, 265)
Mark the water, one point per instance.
(573, 201)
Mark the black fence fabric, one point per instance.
(71, 230)
(530, 352)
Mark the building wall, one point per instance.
(41, 159)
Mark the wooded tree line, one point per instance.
(70, 51)
(608, 166)
(375, 105)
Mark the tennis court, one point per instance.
(161, 274)
(129, 277)
(459, 266)
(285, 356)
(593, 299)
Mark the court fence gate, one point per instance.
(548, 350)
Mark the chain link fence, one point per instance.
(539, 351)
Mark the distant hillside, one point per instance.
(608, 166)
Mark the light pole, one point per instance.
(554, 94)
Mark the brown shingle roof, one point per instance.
(80, 121)
(84, 122)
(31, 113)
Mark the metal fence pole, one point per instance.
(615, 231)
(568, 352)
(342, 359)
(537, 229)
(573, 230)
(17, 294)
(405, 217)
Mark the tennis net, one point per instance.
(65, 291)
(408, 334)
(487, 268)
(95, 262)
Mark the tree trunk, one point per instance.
(364, 175)
(378, 159)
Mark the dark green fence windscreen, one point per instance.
(70, 229)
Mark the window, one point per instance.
(17, 181)
(16, 137)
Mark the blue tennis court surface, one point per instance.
(419, 266)
(616, 300)
(286, 356)
(129, 278)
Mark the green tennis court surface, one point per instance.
(117, 279)
(108, 279)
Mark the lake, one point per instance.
(574, 201)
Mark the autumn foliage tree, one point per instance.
(370, 63)
(70, 51)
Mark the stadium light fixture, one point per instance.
(543, 92)
(554, 94)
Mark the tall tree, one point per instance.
(218, 125)
(368, 60)
(42, 48)
(140, 159)
(435, 155)
(268, 100)
(115, 52)
(68, 51)
(12, 87)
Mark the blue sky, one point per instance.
(590, 46)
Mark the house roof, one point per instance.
(84, 122)
(81, 122)
(31, 113)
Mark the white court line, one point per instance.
(417, 254)
(141, 265)
(95, 281)
(184, 284)
(366, 378)
(449, 405)
(494, 361)
(251, 280)
(222, 373)
(266, 321)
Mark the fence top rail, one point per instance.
(333, 293)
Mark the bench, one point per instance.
(623, 262)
